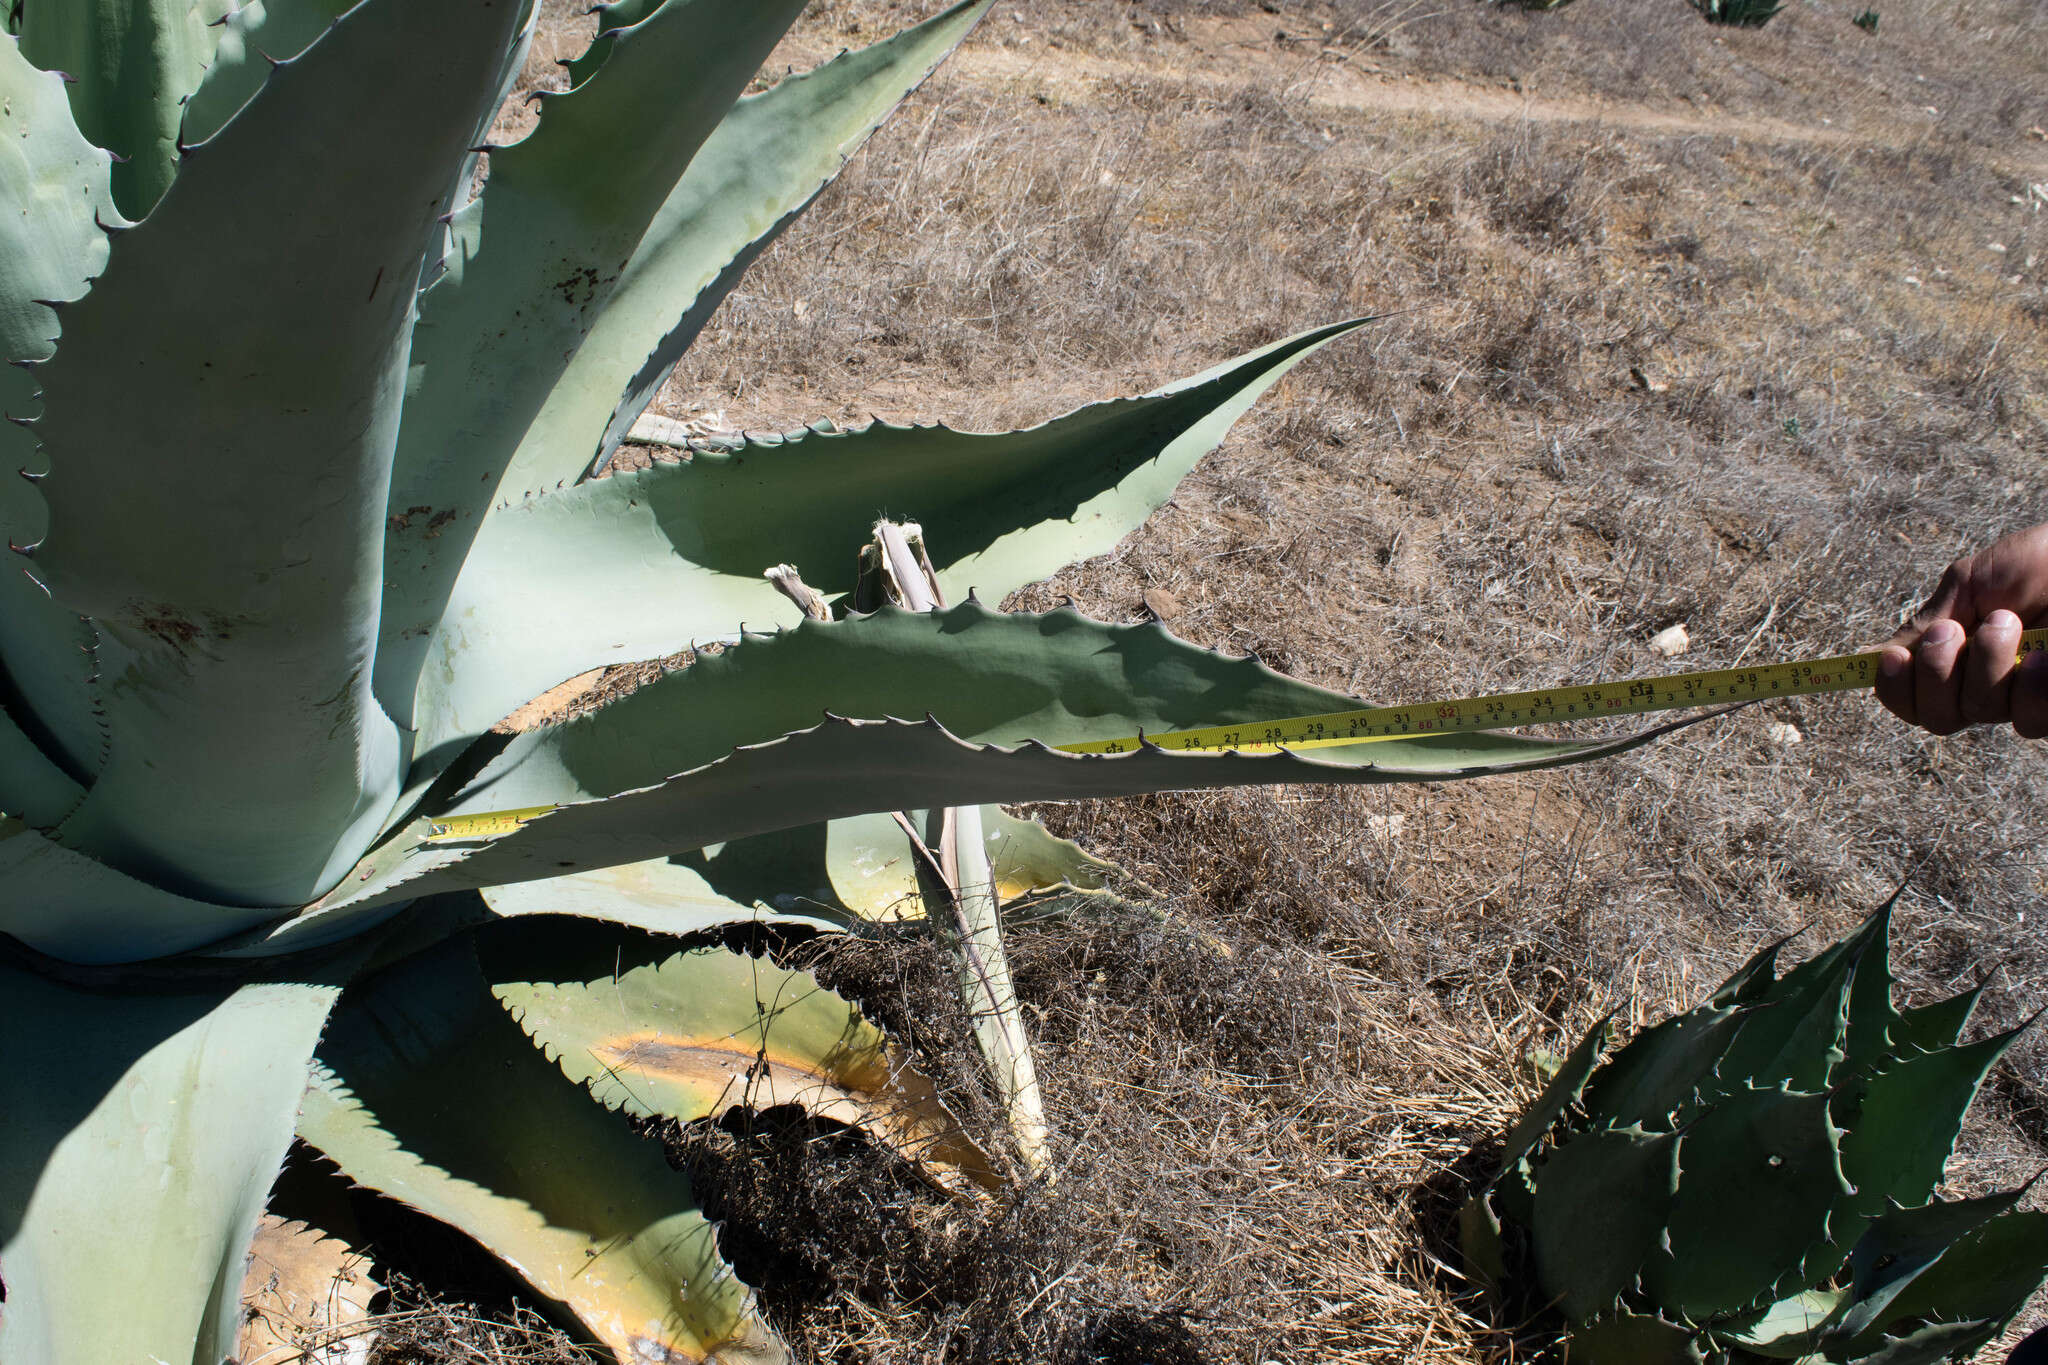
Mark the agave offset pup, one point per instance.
(1755, 1180)
(309, 436)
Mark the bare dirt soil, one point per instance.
(1737, 329)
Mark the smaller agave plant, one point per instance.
(1741, 13)
(1755, 1180)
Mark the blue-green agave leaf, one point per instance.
(1985, 1277)
(1752, 979)
(1515, 1192)
(678, 546)
(1903, 1119)
(1791, 1038)
(753, 177)
(131, 64)
(1939, 1025)
(51, 247)
(1929, 1345)
(247, 41)
(1899, 1245)
(1482, 1241)
(70, 906)
(141, 1138)
(1634, 1339)
(1660, 1069)
(280, 364)
(531, 265)
(1601, 1202)
(429, 1093)
(731, 727)
(1759, 1176)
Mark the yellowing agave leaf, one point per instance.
(688, 1035)
(305, 1298)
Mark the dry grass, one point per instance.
(1692, 326)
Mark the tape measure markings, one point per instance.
(1501, 711)
(488, 824)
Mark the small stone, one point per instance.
(1162, 604)
(1670, 642)
(1783, 734)
(1386, 826)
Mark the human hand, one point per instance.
(1952, 664)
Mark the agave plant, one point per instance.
(1755, 1180)
(311, 432)
(1740, 13)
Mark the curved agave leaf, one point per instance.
(1761, 1176)
(31, 784)
(679, 546)
(1753, 979)
(1905, 1119)
(688, 1035)
(863, 866)
(246, 42)
(1790, 1329)
(1898, 1247)
(658, 895)
(51, 246)
(754, 176)
(532, 263)
(1004, 679)
(1938, 1025)
(427, 1092)
(1512, 1183)
(1792, 1038)
(142, 1135)
(132, 63)
(1634, 1339)
(1983, 1279)
(1661, 1069)
(72, 907)
(302, 1283)
(1601, 1202)
(280, 365)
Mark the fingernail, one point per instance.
(2002, 620)
(1943, 632)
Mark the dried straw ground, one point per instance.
(1740, 330)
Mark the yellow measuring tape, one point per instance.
(1505, 710)
(487, 824)
(1577, 701)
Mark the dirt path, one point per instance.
(1223, 55)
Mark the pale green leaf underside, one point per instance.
(864, 865)
(532, 264)
(141, 1138)
(752, 177)
(827, 876)
(1000, 679)
(429, 1093)
(250, 627)
(55, 183)
(689, 1035)
(679, 549)
(658, 895)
